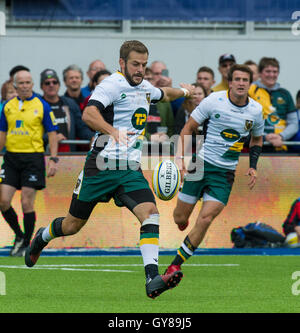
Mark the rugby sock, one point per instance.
(53, 230)
(11, 218)
(149, 245)
(184, 252)
(29, 223)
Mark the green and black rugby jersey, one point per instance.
(126, 108)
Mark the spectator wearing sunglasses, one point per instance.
(226, 61)
(66, 112)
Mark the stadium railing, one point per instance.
(165, 147)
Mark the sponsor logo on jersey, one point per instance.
(19, 123)
(139, 119)
(230, 134)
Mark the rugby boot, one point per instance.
(163, 282)
(34, 250)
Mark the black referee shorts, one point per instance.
(23, 169)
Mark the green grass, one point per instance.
(254, 284)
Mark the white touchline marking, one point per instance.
(130, 265)
(67, 269)
(72, 267)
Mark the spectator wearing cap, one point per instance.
(225, 62)
(66, 112)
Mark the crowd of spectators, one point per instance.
(167, 118)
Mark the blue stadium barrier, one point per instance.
(208, 10)
(90, 252)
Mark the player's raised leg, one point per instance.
(61, 226)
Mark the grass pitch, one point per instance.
(211, 284)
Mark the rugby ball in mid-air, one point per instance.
(292, 240)
(166, 180)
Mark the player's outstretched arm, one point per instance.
(170, 94)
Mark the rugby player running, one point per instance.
(117, 111)
(232, 116)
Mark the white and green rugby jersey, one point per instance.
(125, 107)
(228, 127)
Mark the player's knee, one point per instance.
(148, 213)
(179, 217)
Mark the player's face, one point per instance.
(206, 79)
(24, 84)
(269, 76)
(225, 67)
(73, 80)
(134, 68)
(198, 96)
(50, 87)
(240, 84)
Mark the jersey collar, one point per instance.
(238, 106)
(29, 98)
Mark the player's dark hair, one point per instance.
(265, 62)
(100, 73)
(242, 68)
(132, 45)
(207, 70)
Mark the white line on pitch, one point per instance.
(131, 265)
(65, 266)
(67, 269)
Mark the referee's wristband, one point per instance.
(254, 153)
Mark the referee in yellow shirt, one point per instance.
(23, 121)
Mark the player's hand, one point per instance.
(121, 136)
(252, 173)
(190, 89)
(52, 168)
